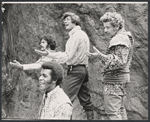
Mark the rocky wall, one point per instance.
(24, 24)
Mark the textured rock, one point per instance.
(24, 24)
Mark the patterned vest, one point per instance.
(122, 74)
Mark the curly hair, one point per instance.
(50, 42)
(57, 71)
(113, 17)
(74, 18)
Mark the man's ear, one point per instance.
(117, 27)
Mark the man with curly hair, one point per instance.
(55, 104)
(117, 62)
(47, 45)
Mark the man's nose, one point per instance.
(40, 78)
(65, 21)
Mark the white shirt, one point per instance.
(76, 47)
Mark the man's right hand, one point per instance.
(16, 64)
(91, 55)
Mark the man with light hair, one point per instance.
(75, 83)
(117, 62)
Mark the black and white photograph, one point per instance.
(74, 60)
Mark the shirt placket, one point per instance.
(42, 108)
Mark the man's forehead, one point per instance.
(67, 17)
(45, 71)
(107, 24)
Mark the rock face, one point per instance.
(24, 24)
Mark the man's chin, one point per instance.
(67, 28)
(40, 89)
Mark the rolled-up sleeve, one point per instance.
(61, 57)
(31, 66)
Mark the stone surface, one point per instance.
(24, 24)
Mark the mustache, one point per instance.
(41, 46)
(107, 33)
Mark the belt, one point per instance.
(115, 72)
(72, 66)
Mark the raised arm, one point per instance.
(31, 66)
(117, 59)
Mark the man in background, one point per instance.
(117, 62)
(75, 83)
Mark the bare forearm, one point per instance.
(31, 66)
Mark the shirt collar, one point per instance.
(53, 91)
(74, 30)
(119, 31)
(123, 31)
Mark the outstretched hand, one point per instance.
(16, 64)
(93, 55)
(43, 53)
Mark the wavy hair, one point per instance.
(75, 18)
(50, 42)
(57, 71)
(113, 17)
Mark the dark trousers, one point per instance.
(75, 84)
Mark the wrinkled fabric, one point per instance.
(114, 98)
(118, 57)
(56, 105)
(116, 73)
(76, 85)
(75, 49)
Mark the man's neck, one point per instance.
(50, 89)
(77, 27)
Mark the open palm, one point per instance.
(15, 64)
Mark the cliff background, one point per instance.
(24, 24)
